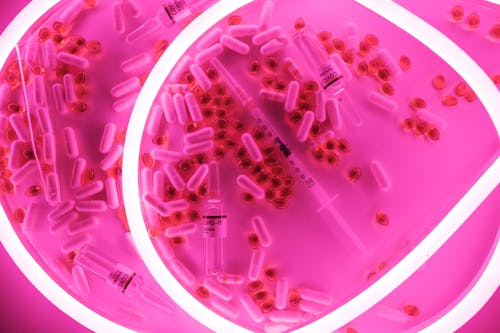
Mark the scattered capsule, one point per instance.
(411, 310)
(449, 100)
(299, 24)
(404, 62)
(432, 133)
(473, 21)
(354, 174)
(382, 218)
(495, 31)
(417, 103)
(462, 89)
(457, 13)
(438, 82)
(270, 273)
(254, 286)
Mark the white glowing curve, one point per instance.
(451, 222)
(8, 237)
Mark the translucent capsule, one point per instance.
(168, 107)
(225, 308)
(182, 272)
(382, 102)
(58, 97)
(473, 21)
(209, 38)
(197, 178)
(27, 170)
(305, 126)
(266, 14)
(112, 157)
(390, 62)
(107, 138)
(69, 88)
(165, 155)
(284, 316)
(83, 225)
(282, 286)
(251, 147)
(177, 205)
(311, 307)
(320, 106)
(174, 177)
(63, 222)
(256, 264)
(209, 53)
(71, 144)
(156, 204)
(391, 314)
(292, 96)
(180, 108)
(181, 230)
(118, 17)
(248, 185)
(200, 76)
(243, 30)
(380, 176)
(316, 296)
(252, 309)
(148, 28)
(79, 165)
(125, 104)
(203, 134)
(73, 60)
(112, 196)
(449, 100)
(89, 190)
(217, 289)
(91, 206)
(232, 279)
(136, 63)
(126, 87)
(272, 96)
(234, 44)
(193, 107)
(261, 230)
(19, 127)
(80, 280)
(292, 69)
(197, 148)
(272, 46)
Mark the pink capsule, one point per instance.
(320, 106)
(174, 177)
(28, 169)
(44, 121)
(382, 102)
(125, 104)
(165, 155)
(284, 316)
(58, 97)
(19, 127)
(4, 94)
(261, 230)
(118, 17)
(156, 204)
(31, 219)
(112, 157)
(72, 150)
(30, 51)
(252, 309)
(225, 308)
(226, 278)
(180, 109)
(251, 147)
(49, 55)
(209, 53)
(272, 47)
(158, 183)
(126, 87)
(80, 281)
(63, 222)
(311, 307)
(316, 296)
(266, 35)
(282, 286)
(76, 243)
(165, 250)
(248, 185)
(79, 166)
(181, 230)
(243, 30)
(292, 96)
(84, 225)
(61, 210)
(234, 44)
(73, 60)
(89, 190)
(177, 205)
(380, 176)
(200, 76)
(39, 90)
(200, 147)
(144, 30)
(112, 196)
(305, 126)
(266, 14)
(272, 96)
(71, 12)
(107, 138)
(209, 39)
(333, 112)
(153, 123)
(193, 107)
(256, 264)
(197, 178)
(390, 62)
(91, 206)
(16, 155)
(182, 272)
(168, 108)
(69, 88)
(180, 68)
(146, 180)
(137, 63)
(203, 134)
(49, 148)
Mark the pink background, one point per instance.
(24, 309)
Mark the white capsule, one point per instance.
(44, 121)
(168, 108)
(282, 286)
(305, 126)
(266, 14)
(203, 134)
(248, 185)
(19, 127)
(126, 87)
(174, 177)
(61, 210)
(72, 150)
(84, 225)
(266, 35)
(30, 50)
(180, 109)
(177, 205)
(320, 106)
(272, 96)
(256, 264)
(76, 243)
(16, 155)
(311, 307)
(390, 62)
(180, 68)
(226, 278)
(333, 112)
(284, 316)
(58, 97)
(272, 47)
(316, 296)
(49, 148)
(89, 190)
(165, 155)
(146, 180)
(225, 308)
(153, 123)
(52, 188)
(209, 53)
(137, 63)
(158, 183)
(31, 219)
(217, 289)
(80, 281)
(112, 157)
(71, 12)
(235, 45)
(391, 314)
(73, 60)
(63, 222)
(125, 104)
(200, 147)
(181, 230)
(252, 309)
(144, 30)
(118, 17)
(28, 169)
(182, 272)
(380, 175)
(251, 147)
(193, 107)
(382, 102)
(243, 30)
(69, 88)
(91, 206)
(200, 76)
(107, 138)
(76, 174)
(197, 178)
(208, 39)
(112, 197)
(156, 204)
(261, 230)
(39, 90)
(49, 55)
(292, 95)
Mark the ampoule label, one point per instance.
(176, 10)
(213, 225)
(121, 277)
(330, 77)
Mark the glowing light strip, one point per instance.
(451, 222)
(16, 250)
